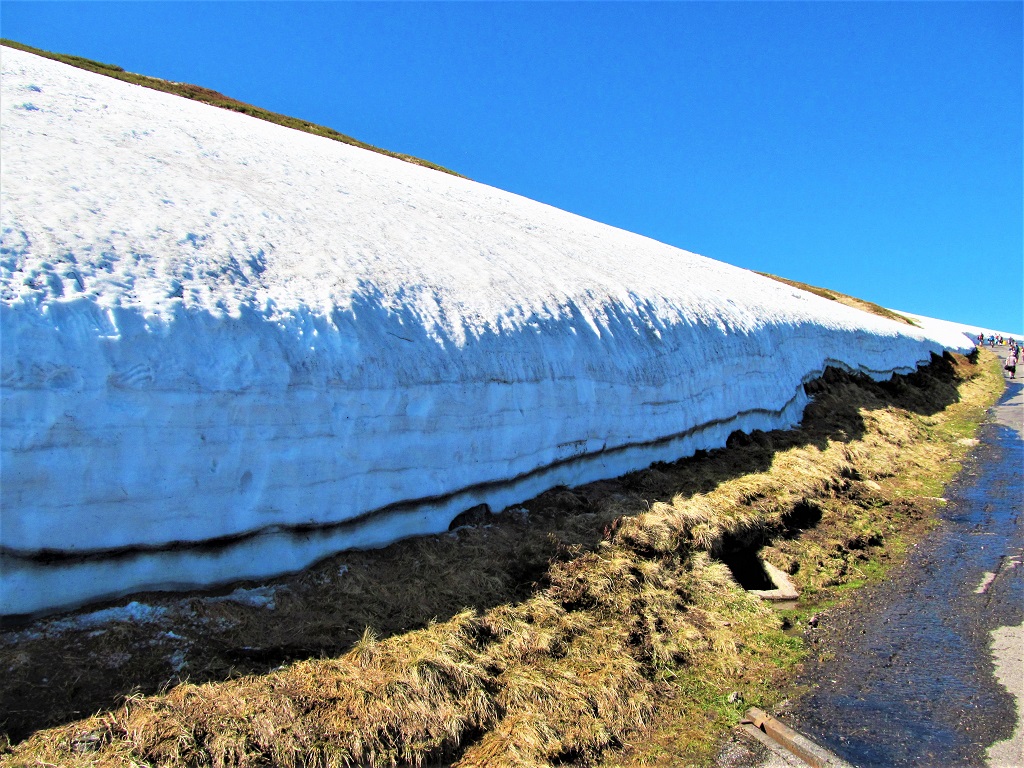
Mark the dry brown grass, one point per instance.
(842, 298)
(603, 625)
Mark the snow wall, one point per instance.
(230, 349)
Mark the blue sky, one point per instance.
(874, 148)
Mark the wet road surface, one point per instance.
(913, 681)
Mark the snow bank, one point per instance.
(949, 329)
(230, 349)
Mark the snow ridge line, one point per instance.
(71, 580)
(57, 556)
(407, 505)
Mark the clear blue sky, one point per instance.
(874, 148)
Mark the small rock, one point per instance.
(86, 742)
(734, 697)
(813, 621)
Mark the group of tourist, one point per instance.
(997, 340)
(1010, 366)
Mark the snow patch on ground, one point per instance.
(133, 612)
(258, 597)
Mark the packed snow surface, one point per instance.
(230, 349)
(949, 327)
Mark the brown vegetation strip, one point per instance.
(850, 301)
(600, 620)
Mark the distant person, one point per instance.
(981, 339)
(991, 340)
(1011, 363)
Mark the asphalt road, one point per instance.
(926, 668)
